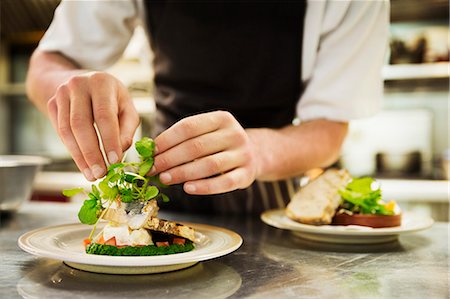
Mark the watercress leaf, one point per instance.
(116, 177)
(88, 212)
(116, 165)
(151, 192)
(145, 166)
(145, 147)
(108, 191)
(114, 191)
(128, 178)
(95, 192)
(104, 186)
(126, 195)
(72, 192)
(164, 197)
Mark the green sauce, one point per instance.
(148, 250)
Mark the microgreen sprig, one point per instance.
(124, 182)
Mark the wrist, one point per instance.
(261, 157)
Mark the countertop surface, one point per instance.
(272, 263)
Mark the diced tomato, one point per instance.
(179, 241)
(159, 244)
(100, 240)
(111, 241)
(86, 242)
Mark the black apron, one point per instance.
(242, 57)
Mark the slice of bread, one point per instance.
(170, 227)
(316, 203)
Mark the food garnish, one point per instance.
(127, 197)
(363, 196)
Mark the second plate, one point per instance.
(352, 234)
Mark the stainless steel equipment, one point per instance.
(17, 174)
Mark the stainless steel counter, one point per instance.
(271, 264)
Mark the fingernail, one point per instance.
(165, 177)
(152, 171)
(112, 157)
(155, 150)
(190, 188)
(97, 171)
(88, 174)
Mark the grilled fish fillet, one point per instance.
(136, 218)
(316, 203)
(170, 227)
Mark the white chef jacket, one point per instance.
(344, 43)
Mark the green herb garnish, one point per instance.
(124, 181)
(363, 196)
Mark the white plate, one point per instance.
(65, 243)
(352, 234)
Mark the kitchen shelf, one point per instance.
(13, 89)
(416, 71)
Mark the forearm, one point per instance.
(47, 71)
(293, 150)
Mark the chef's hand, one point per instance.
(88, 99)
(210, 153)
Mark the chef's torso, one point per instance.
(244, 58)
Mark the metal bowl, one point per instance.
(17, 174)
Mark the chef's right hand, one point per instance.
(88, 99)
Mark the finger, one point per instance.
(62, 119)
(190, 127)
(104, 106)
(192, 149)
(203, 168)
(128, 122)
(235, 179)
(52, 110)
(82, 124)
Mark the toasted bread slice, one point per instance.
(316, 203)
(170, 227)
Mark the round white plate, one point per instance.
(65, 243)
(351, 234)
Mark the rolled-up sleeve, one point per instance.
(344, 81)
(93, 34)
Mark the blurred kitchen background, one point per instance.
(408, 140)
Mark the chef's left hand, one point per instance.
(210, 153)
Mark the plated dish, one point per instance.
(334, 207)
(64, 242)
(351, 234)
(335, 197)
(126, 235)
